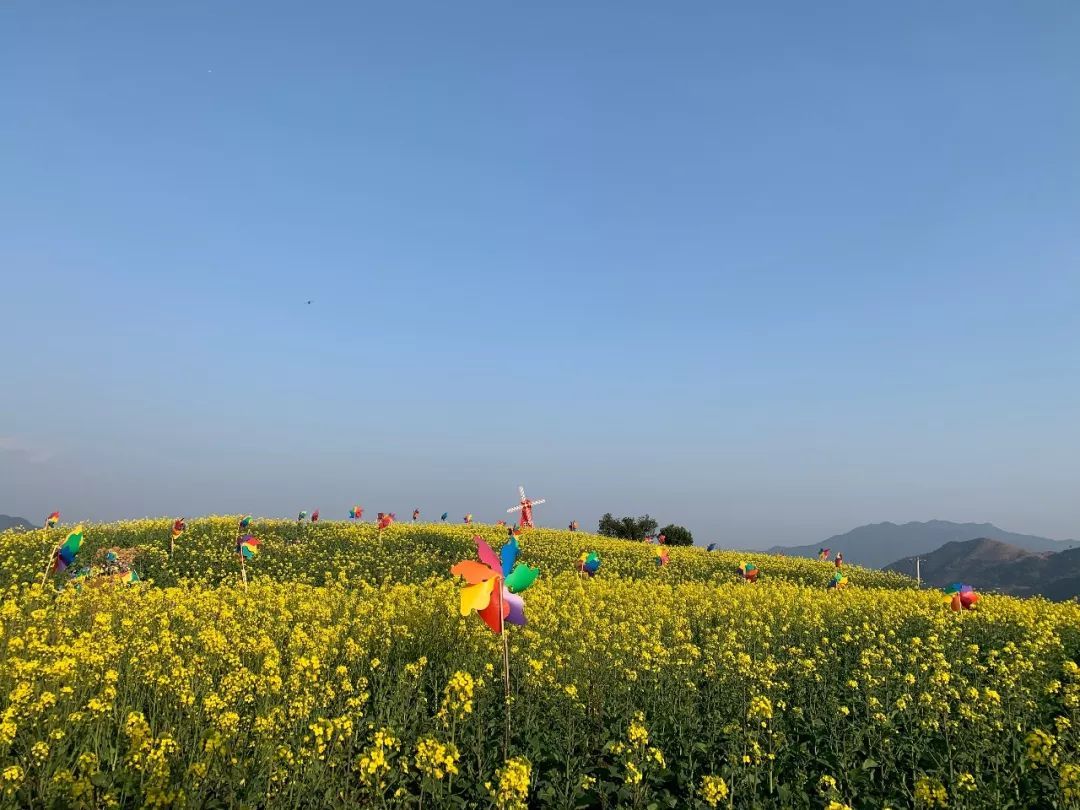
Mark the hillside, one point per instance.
(345, 552)
(10, 522)
(991, 565)
(878, 544)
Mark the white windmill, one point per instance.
(526, 507)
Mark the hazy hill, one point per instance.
(878, 544)
(990, 565)
(9, 522)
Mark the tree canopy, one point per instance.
(628, 528)
(677, 535)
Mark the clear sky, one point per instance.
(768, 270)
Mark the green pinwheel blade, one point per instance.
(521, 578)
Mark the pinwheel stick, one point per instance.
(506, 675)
(49, 559)
(240, 551)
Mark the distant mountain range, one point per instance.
(990, 565)
(9, 522)
(879, 544)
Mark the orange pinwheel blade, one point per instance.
(472, 571)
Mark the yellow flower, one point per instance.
(930, 793)
(435, 759)
(1038, 748)
(513, 789)
(713, 790)
(1069, 781)
(637, 733)
(760, 707)
(457, 702)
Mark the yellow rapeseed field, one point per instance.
(344, 675)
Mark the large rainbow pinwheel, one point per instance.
(661, 558)
(838, 581)
(961, 597)
(493, 584)
(588, 563)
(748, 571)
(356, 513)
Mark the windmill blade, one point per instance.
(522, 491)
(542, 500)
(514, 508)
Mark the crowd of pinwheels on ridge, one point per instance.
(498, 576)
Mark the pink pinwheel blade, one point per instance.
(487, 556)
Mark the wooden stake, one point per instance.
(49, 562)
(506, 672)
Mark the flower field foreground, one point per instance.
(627, 692)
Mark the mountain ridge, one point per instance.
(991, 565)
(12, 522)
(876, 545)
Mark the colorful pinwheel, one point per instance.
(301, 516)
(315, 516)
(385, 521)
(415, 515)
(662, 555)
(66, 551)
(711, 547)
(588, 563)
(245, 521)
(178, 528)
(126, 577)
(823, 554)
(356, 513)
(52, 520)
(493, 584)
(961, 597)
(839, 559)
(445, 515)
(838, 581)
(748, 571)
(468, 519)
(248, 546)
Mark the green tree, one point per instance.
(677, 535)
(627, 528)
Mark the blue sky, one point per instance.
(768, 270)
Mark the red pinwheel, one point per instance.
(961, 597)
(748, 571)
(493, 584)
